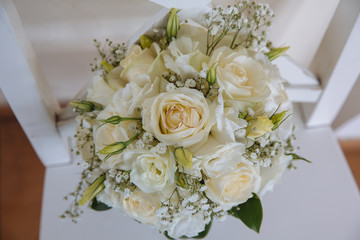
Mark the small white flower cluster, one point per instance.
(197, 82)
(119, 181)
(148, 142)
(197, 205)
(244, 21)
(263, 150)
(117, 53)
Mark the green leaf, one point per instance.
(250, 213)
(94, 189)
(99, 206)
(297, 157)
(167, 236)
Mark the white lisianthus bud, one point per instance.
(183, 157)
(172, 27)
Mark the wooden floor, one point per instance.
(22, 174)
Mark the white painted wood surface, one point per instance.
(27, 91)
(337, 63)
(316, 201)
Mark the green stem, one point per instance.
(235, 36)
(128, 142)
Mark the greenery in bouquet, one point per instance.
(188, 125)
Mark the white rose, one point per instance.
(184, 58)
(187, 225)
(152, 172)
(218, 159)
(110, 197)
(142, 206)
(100, 91)
(240, 77)
(127, 99)
(180, 118)
(109, 133)
(228, 122)
(234, 188)
(138, 62)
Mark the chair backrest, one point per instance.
(336, 64)
(26, 89)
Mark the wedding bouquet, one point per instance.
(188, 125)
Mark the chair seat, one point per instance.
(316, 201)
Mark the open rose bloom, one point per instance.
(189, 123)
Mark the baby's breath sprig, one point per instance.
(244, 22)
(198, 82)
(110, 55)
(119, 181)
(263, 151)
(73, 211)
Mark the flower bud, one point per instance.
(276, 52)
(180, 180)
(107, 66)
(116, 120)
(145, 41)
(211, 75)
(277, 119)
(258, 127)
(183, 157)
(172, 27)
(112, 120)
(241, 115)
(85, 106)
(94, 189)
(113, 148)
(118, 147)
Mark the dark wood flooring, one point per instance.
(22, 174)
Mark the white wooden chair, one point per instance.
(317, 201)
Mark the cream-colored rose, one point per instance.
(142, 206)
(100, 91)
(152, 172)
(195, 31)
(180, 118)
(235, 187)
(240, 76)
(217, 158)
(109, 134)
(138, 62)
(184, 57)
